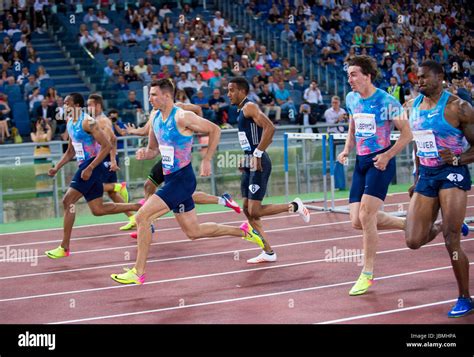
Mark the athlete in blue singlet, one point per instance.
(172, 135)
(88, 143)
(441, 122)
(372, 113)
(255, 135)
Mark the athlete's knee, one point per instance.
(254, 212)
(142, 217)
(149, 186)
(452, 237)
(366, 214)
(355, 221)
(97, 210)
(246, 211)
(413, 243)
(193, 233)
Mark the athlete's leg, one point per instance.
(149, 188)
(453, 202)
(421, 227)
(117, 198)
(252, 209)
(153, 208)
(99, 208)
(204, 198)
(69, 202)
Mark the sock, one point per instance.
(368, 274)
(295, 206)
(270, 253)
(221, 201)
(117, 187)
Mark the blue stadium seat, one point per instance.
(21, 118)
(14, 94)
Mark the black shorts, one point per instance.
(433, 179)
(92, 188)
(178, 190)
(156, 174)
(253, 184)
(368, 180)
(110, 176)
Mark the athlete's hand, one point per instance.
(114, 167)
(205, 167)
(129, 128)
(86, 173)
(381, 161)
(52, 172)
(141, 154)
(447, 156)
(256, 164)
(343, 157)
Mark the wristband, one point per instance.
(257, 153)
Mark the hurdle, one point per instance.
(308, 136)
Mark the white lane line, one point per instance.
(190, 256)
(186, 240)
(216, 302)
(387, 312)
(204, 275)
(177, 228)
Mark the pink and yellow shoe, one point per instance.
(129, 277)
(252, 235)
(230, 203)
(57, 253)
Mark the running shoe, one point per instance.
(130, 225)
(134, 235)
(57, 253)
(302, 210)
(363, 284)
(229, 202)
(465, 229)
(263, 257)
(123, 192)
(129, 277)
(463, 307)
(252, 235)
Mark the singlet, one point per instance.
(372, 118)
(250, 133)
(175, 147)
(84, 143)
(432, 132)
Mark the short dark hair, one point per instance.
(367, 65)
(77, 98)
(112, 111)
(165, 85)
(97, 98)
(241, 83)
(433, 66)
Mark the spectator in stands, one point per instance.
(21, 43)
(109, 70)
(267, 100)
(132, 102)
(30, 86)
(182, 97)
(102, 18)
(35, 97)
(283, 99)
(333, 35)
(184, 82)
(155, 47)
(117, 37)
(166, 59)
(184, 65)
(4, 112)
(274, 15)
(129, 38)
(214, 62)
(110, 47)
(39, 18)
(140, 68)
(309, 49)
(335, 115)
(218, 106)
(52, 97)
(305, 118)
(147, 77)
(287, 35)
(90, 16)
(41, 73)
(396, 90)
(206, 73)
(88, 41)
(121, 84)
(7, 49)
(357, 37)
(198, 83)
(23, 77)
(164, 10)
(299, 84)
(312, 95)
(44, 111)
(327, 57)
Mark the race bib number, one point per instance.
(244, 142)
(79, 149)
(167, 156)
(425, 144)
(365, 126)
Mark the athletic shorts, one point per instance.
(368, 180)
(253, 184)
(433, 179)
(110, 176)
(156, 174)
(178, 190)
(92, 188)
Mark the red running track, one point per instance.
(209, 281)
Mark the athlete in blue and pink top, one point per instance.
(371, 112)
(88, 143)
(172, 135)
(441, 122)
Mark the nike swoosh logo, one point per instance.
(431, 115)
(373, 106)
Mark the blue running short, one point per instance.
(433, 179)
(178, 190)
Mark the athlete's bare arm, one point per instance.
(460, 114)
(152, 150)
(196, 109)
(251, 110)
(350, 142)
(106, 125)
(67, 156)
(189, 123)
